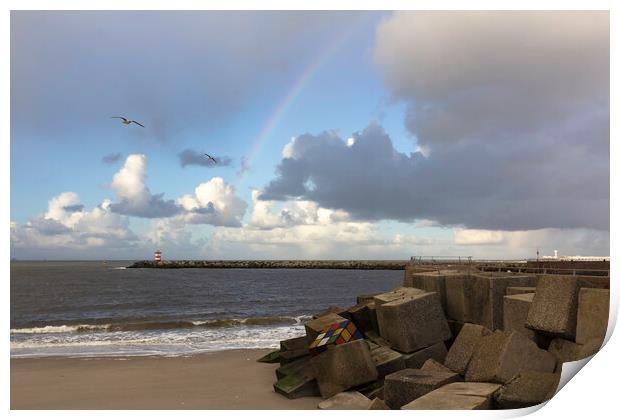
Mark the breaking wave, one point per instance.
(165, 325)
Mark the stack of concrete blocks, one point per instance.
(516, 308)
(295, 376)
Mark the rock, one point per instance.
(290, 355)
(378, 404)
(315, 326)
(464, 347)
(516, 308)
(334, 335)
(413, 322)
(519, 290)
(433, 366)
(292, 367)
(351, 400)
(343, 367)
(554, 308)
(527, 389)
(387, 360)
(406, 385)
(457, 396)
(273, 357)
(592, 315)
(488, 296)
(294, 343)
(501, 356)
(416, 360)
(297, 385)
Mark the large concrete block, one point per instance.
(413, 322)
(501, 356)
(387, 360)
(300, 383)
(433, 366)
(366, 298)
(457, 396)
(331, 310)
(406, 385)
(350, 400)
(516, 308)
(417, 359)
(459, 297)
(398, 293)
(361, 315)
(527, 389)
(315, 326)
(433, 281)
(464, 347)
(569, 351)
(294, 343)
(343, 367)
(293, 367)
(592, 315)
(378, 404)
(290, 355)
(554, 308)
(488, 294)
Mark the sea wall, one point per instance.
(313, 264)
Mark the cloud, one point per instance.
(214, 202)
(65, 230)
(112, 158)
(477, 187)
(135, 197)
(190, 157)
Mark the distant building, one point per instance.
(157, 256)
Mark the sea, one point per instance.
(100, 309)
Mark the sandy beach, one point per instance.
(230, 379)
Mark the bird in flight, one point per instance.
(211, 158)
(128, 121)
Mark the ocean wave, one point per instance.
(165, 325)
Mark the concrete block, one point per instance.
(488, 296)
(302, 383)
(331, 310)
(457, 396)
(464, 347)
(517, 290)
(416, 359)
(372, 389)
(315, 326)
(271, 357)
(350, 400)
(501, 356)
(569, 351)
(554, 308)
(290, 355)
(455, 327)
(433, 281)
(378, 404)
(406, 385)
(398, 293)
(334, 335)
(459, 297)
(433, 366)
(367, 298)
(413, 322)
(527, 389)
(592, 315)
(361, 315)
(343, 367)
(293, 367)
(516, 308)
(294, 343)
(387, 360)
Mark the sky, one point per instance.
(337, 134)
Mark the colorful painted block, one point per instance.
(335, 334)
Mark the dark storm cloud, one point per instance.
(190, 157)
(510, 108)
(507, 188)
(112, 158)
(153, 206)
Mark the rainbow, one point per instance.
(293, 93)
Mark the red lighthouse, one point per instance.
(157, 256)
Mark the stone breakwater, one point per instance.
(312, 264)
(448, 339)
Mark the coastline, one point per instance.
(276, 264)
(227, 379)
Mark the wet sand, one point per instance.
(230, 379)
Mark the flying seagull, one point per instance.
(211, 158)
(128, 121)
